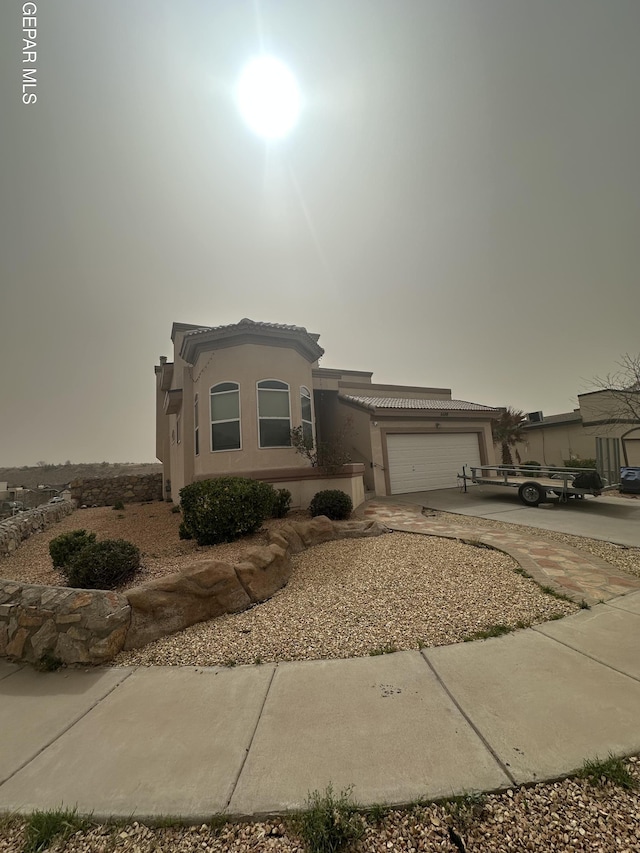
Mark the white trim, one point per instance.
(196, 425)
(268, 418)
(226, 420)
(302, 419)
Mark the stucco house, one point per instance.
(601, 428)
(226, 403)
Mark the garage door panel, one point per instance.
(421, 462)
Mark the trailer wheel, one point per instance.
(531, 494)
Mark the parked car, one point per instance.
(12, 506)
(56, 500)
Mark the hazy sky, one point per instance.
(458, 205)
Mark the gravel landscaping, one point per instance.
(344, 599)
(357, 597)
(570, 816)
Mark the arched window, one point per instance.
(307, 418)
(225, 416)
(274, 414)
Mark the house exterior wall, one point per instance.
(602, 415)
(552, 444)
(247, 365)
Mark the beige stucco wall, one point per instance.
(551, 445)
(246, 365)
(369, 439)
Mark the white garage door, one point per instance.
(419, 462)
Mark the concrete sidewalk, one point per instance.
(192, 742)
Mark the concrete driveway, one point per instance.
(611, 519)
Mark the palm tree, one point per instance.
(508, 431)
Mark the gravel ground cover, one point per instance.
(352, 598)
(570, 816)
(620, 556)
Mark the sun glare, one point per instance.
(268, 97)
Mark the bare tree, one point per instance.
(620, 403)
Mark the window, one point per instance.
(196, 427)
(274, 414)
(225, 416)
(307, 421)
(178, 429)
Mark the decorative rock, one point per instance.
(166, 605)
(319, 529)
(264, 571)
(45, 639)
(290, 535)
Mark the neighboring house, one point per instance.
(226, 404)
(598, 429)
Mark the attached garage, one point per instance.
(421, 462)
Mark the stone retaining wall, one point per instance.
(68, 625)
(92, 626)
(128, 488)
(19, 527)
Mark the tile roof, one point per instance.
(417, 403)
(253, 324)
(198, 337)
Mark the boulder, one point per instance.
(319, 529)
(263, 571)
(199, 592)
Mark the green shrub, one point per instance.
(281, 503)
(225, 509)
(183, 532)
(531, 464)
(118, 505)
(175, 508)
(579, 463)
(103, 565)
(333, 503)
(65, 546)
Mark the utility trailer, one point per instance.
(534, 484)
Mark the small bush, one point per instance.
(330, 822)
(281, 503)
(175, 508)
(65, 546)
(225, 509)
(579, 463)
(333, 503)
(103, 565)
(531, 464)
(118, 505)
(183, 531)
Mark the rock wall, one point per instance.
(66, 625)
(18, 528)
(92, 626)
(105, 491)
